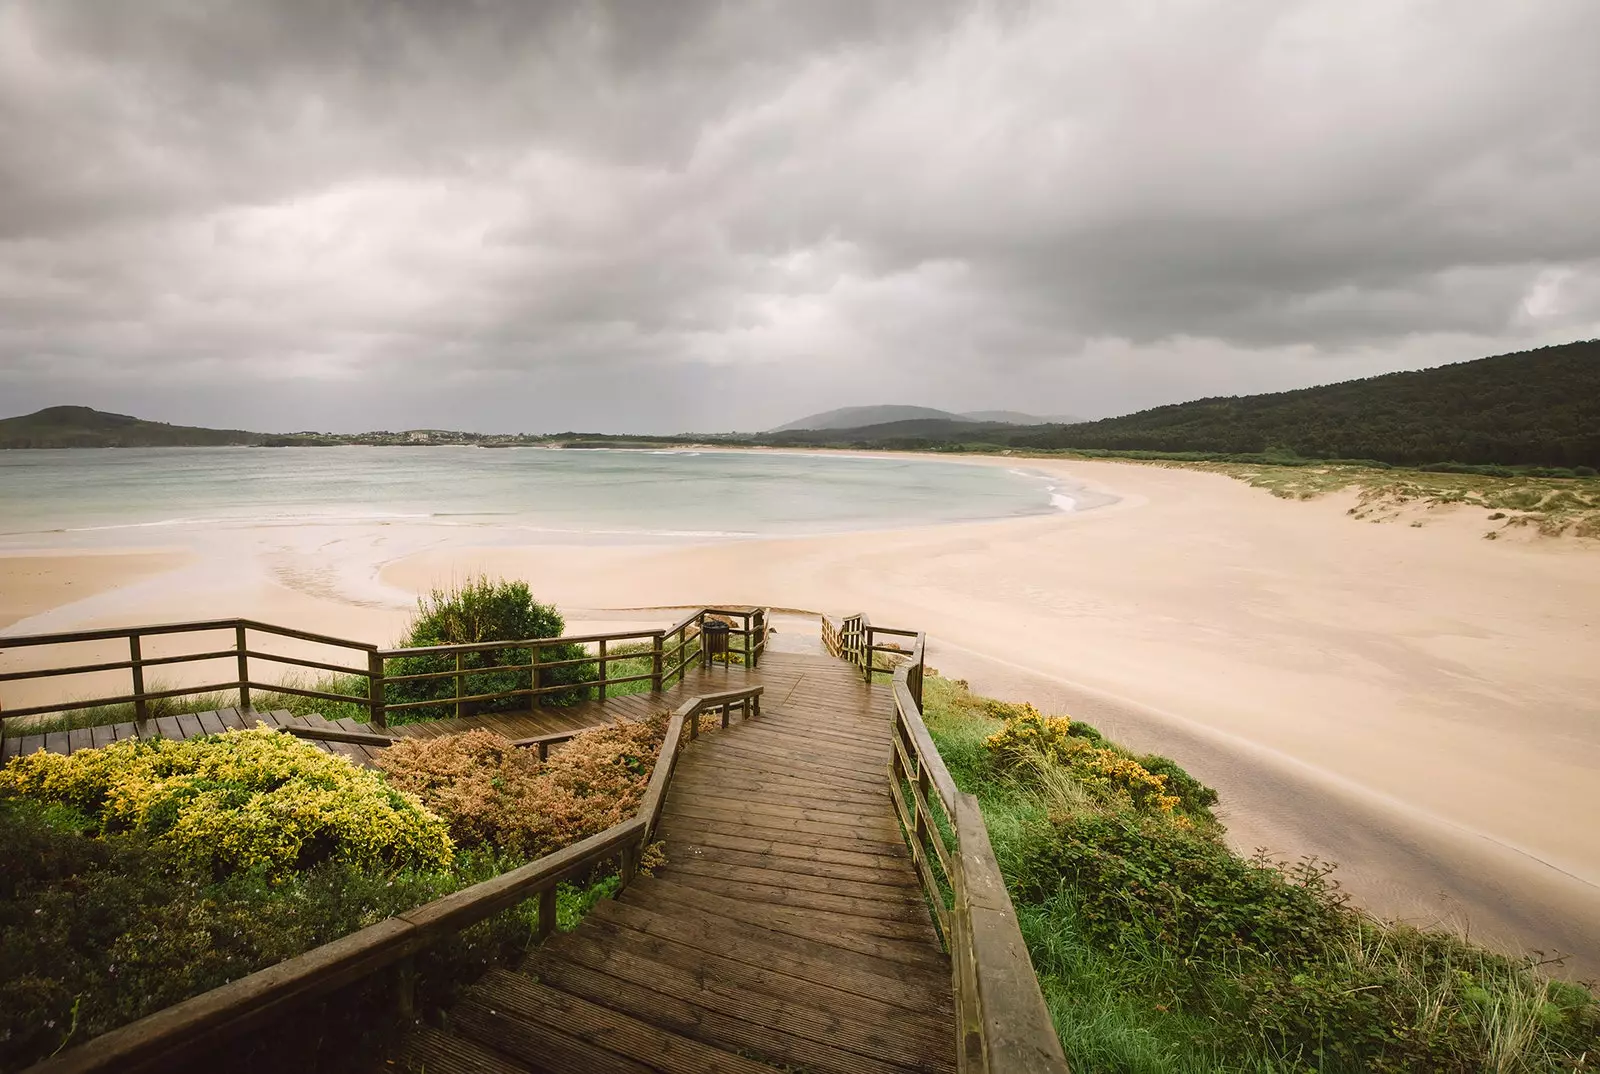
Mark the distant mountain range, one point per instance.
(81, 426)
(1537, 408)
(856, 417)
(1531, 408)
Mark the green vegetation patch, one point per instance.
(485, 610)
(1160, 949)
(241, 801)
(138, 875)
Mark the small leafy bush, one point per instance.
(494, 794)
(481, 610)
(245, 800)
(1147, 880)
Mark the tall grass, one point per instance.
(1130, 989)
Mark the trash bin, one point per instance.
(714, 639)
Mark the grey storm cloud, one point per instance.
(707, 215)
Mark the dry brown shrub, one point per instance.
(489, 791)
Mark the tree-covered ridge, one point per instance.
(1539, 407)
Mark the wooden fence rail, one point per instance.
(657, 657)
(175, 1034)
(1003, 1025)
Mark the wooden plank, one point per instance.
(858, 817)
(848, 1019)
(79, 738)
(898, 919)
(210, 723)
(686, 837)
(744, 785)
(676, 826)
(121, 731)
(9, 746)
(31, 744)
(779, 817)
(167, 727)
(882, 979)
(234, 720)
(57, 742)
(539, 1006)
(824, 928)
(189, 725)
(879, 888)
(434, 1052)
(712, 1025)
(1017, 1030)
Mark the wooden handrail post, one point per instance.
(405, 988)
(603, 663)
(630, 862)
(141, 708)
(375, 709)
(535, 678)
(459, 659)
(547, 913)
(244, 669)
(655, 663)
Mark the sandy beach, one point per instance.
(33, 584)
(1412, 701)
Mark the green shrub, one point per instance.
(238, 801)
(481, 610)
(1147, 880)
(100, 930)
(1585, 471)
(1194, 797)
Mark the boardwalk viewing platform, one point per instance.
(829, 901)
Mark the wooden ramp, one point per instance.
(787, 930)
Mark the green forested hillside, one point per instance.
(1538, 407)
(81, 426)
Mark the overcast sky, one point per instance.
(666, 216)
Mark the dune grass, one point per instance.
(1158, 949)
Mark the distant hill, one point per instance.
(1539, 407)
(1016, 417)
(80, 426)
(908, 433)
(860, 417)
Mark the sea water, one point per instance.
(130, 496)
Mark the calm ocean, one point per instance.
(83, 498)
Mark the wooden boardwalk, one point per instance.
(786, 930)
(513, 725)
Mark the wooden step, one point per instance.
(561, 1024)
(907, 986)
(428, 1051)
(725, 1025)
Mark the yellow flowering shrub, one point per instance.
(1109, 773)
(237, 801)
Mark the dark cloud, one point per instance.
(710, 215)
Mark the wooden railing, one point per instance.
(368, 670)
(171, 1036)
(1003, 1025)
(856, 640)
